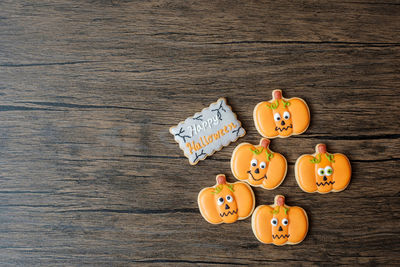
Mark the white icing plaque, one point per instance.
(207, 131)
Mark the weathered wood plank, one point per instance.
(90, 174)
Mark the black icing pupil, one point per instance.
(228, 198)
(221, 199)
(254, 164)
(277, 118)
(286, 117)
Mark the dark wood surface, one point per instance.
(88, 90)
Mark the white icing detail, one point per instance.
(274, 221)
(204, 124)
(201, 137)
(286, 115)
(220, 201)
(216, 120)
(209, 121)
(328, 170)
(253, 162)
(199, 128)
(229, 198)
(277, 116)
(263, 165)
(191, 129)
(321, 171)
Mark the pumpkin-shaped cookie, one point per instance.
(226, 202)
(279, 224)
(323, 172)
(258, 165)
(281, 117)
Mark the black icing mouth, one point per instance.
(283, 128)
(264, 177)
(228, 213)
(325, 183)
(280, 236)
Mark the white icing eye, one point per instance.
(274, 221)
(286, 115)
(220, 201)
(328, 170)
(285, 221)
(253, 162)
(277, 117)
(263, 165)
(321, 172)
(229, 198)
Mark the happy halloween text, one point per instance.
(204, 141)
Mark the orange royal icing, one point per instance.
(279, 224)
(258, 165)
(206, 140)
(281, 117)
(323, 172)
(226, 202)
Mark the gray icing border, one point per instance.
(207, 131)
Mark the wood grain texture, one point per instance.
(88, 89)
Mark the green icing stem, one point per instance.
(269, 155)
(275, 211)
(230, 186)
(285, 104)
(315, 160)
(218, 189)
(286, 210)
(256, 151)
(329, 157)
(273, 106)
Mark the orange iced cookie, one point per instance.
(323, 172)
(258, 165)
(226, 202)
(279, 224)
(281, 117)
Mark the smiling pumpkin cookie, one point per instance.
(279, 224)
(258, 165)
(226, 202)
(323, 172)
(281, 117)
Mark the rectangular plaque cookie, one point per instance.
(207, 131)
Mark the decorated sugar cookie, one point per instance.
(279, 224)
(207, 131)
(323, 172)
(258, 165)
(226, 202)
(281, 117)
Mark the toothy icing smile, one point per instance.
(281, 117)
(322, 172)
(283, 128)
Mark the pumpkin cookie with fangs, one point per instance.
(226, 202)
(323, 172)
(279, 224)
(258, 165)
(281, 117)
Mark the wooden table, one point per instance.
(88, 90)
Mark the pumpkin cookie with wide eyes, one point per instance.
(258, 165)
(279, 224)
(323, 172)
(226, 202)
(281, 117)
